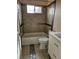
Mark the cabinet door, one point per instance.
(56, 49)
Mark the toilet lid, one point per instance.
(43, 39)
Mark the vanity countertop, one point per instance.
(56, 35)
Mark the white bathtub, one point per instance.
(32, 38)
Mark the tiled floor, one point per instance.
(33, 52)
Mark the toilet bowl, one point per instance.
(43, 43)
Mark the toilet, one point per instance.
(43, 43)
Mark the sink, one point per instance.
(58, 35)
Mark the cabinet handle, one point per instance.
(56, 45)
(54, 55)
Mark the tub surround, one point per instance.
(31, 22)
(32, 38)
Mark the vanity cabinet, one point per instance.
(54, 47)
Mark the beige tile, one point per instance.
(25, 50)
(26, 57)
(40, 54)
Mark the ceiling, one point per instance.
(37, 2)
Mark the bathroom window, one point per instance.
(34, 9)
(30, 9)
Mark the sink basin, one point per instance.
(58, 35)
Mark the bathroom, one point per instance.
(39, 29)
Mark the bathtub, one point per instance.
(32, 38)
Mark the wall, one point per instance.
(19, 20)
(54, 16)
(31, 22)
(50, 15)
(57, 19)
